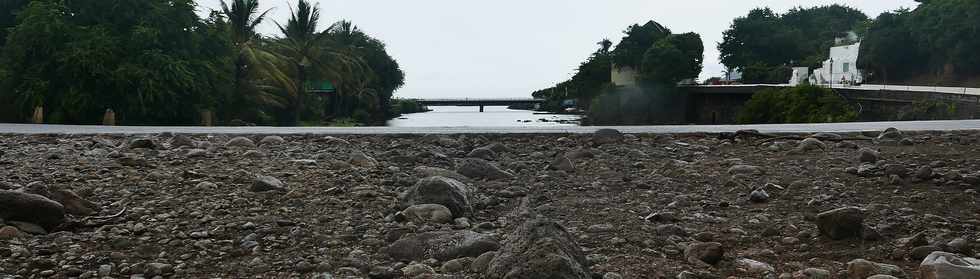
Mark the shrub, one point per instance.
(801, 104)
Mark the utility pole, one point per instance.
(831, 72)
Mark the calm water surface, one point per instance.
(491, 117)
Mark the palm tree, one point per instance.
(258, 76)
(308, 54)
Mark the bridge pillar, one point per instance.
(481, 108)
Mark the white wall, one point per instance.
(624, 76)
(841, 65)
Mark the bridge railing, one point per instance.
(481, 100)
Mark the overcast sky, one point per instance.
(509, 48)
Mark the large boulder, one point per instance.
(841, 223)
(31, 208)
(72, 202)
(479, 168)
(539, 248)
(441, 245)
(943, 265)
(262, 183)
(448, 192)
(434, 171)
(704, 252)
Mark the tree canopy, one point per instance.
(937, 41)
(158, 62)
(766, 41)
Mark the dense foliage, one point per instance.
(661, 60)
(763, 43)
(936, 43)
(158, 62)
(801, 104)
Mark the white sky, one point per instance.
(509, 48)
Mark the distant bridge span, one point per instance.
(480, 102)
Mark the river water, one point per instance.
(491, 117)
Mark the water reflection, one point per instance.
(491, 117)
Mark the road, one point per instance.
(768, 128)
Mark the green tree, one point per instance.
(8, 16)
(259, 79)
(630, 50)
(143, 59)
(801, 104)
(675, 58)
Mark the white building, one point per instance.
(800, 75)
(841, 68)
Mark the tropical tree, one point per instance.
(142, 59)
(259, 79)
(368, 92)
(673, 59)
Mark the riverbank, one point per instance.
(625, 206)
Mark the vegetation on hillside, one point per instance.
(158, 62)
(764, 44)
(801, 104)
(660, 58)
(936, 43)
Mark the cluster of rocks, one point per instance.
(892, 204)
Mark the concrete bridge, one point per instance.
(719, 104)
(480, 102)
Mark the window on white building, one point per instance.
(847, 67)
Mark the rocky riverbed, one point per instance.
(879, 205)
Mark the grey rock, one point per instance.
(562, 163)
(441, 245)
(479, 168)
(498, 148)
(428, 213)
(240, 142)
(960, 245)
(897, 169)
(810, 144)
(815, 273)
(921, 252)
(413, 270)
(434, 171)
(272, 140)
(745, 170)
(482, 262)
(30, 228)
(539, 248)
(943, 265)
(861, 268)
(704, 253)
(759, 196)
(453, 266)
(263, 183)
(924, 173)
(18, 206)
(607, 136)
(360, 159)
(868, 155)
(142, 143)
(755, 267)
(841, 223)
(179, 141)
(455, 195)
(482, 153)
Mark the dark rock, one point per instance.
(861, 268)
(924, 173)
(921, 252)
(479, 168)
(897, 169)
(240, 142)
(482, 153)
(562, 163)
(142, 143)
(498, 148)
(272, 140)
(759, 196)
(179, 141)
(448, 192)
(263, 183)
(434, 171)
(360, 159)
(441, 245)
(868, 155)
(539, 248)
(423, 213)
(607, 136)
(31, 208)
(704, 253)
(841, 223)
